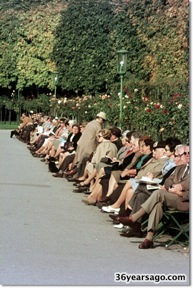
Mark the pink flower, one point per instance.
(149, 110)
(176, 95)
(157, 106)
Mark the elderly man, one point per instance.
(141, 194)
(87, 143)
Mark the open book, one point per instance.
(153, 187)
(151, 184)
(147, 180)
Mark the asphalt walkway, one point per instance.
(49, 237)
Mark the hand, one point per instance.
(149, 175)
(124, 173)
(176, 189)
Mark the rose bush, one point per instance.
(159, 112)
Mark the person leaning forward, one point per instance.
(88, 141)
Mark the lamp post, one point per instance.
(121, 70)
(55, 89)
(55, 82)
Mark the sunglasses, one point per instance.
(180, 155)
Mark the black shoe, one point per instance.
(71, 179)
(106, 199)
(87, 192)
(77, 191)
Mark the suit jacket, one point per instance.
(178, 177)
(153, 165)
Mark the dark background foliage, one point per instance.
(80, 39)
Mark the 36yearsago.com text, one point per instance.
(151, 278)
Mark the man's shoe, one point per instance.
(125, 213)
(146, 244)
(133, 233)
(60, 175)
(126, 220)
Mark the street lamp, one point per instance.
(121, 70)
(55, 82)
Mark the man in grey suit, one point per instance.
(173, 194)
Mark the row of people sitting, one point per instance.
(110, 172)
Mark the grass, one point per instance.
(8, 125)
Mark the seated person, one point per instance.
(141, 194)
(173, 194)
(105, 147)
(97, 191)
(127, 193)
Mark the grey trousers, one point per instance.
(140, 195)
(155, 206)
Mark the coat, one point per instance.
(88, 141)
(104, 148)
(178, 177)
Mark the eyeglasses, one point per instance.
(180, 155)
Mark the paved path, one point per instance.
(49, 237)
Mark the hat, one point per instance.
(159, 144)
(31, 112)
(102, 115)
(125, 133)
(116, 131)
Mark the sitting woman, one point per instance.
(60, 134)
(105, 148)
(135, 161)
(69, 146)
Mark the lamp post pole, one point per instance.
(121, 101)
(55, 83)
(121, 70)
(55, 89)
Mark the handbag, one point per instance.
(106, 160)
(66, 146)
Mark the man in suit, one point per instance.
(87, 143)
(173, 194)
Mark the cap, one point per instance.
(116, 131)
(102, 115)
(159, 144)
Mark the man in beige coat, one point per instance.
(88, 141)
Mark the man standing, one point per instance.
(88, 141)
